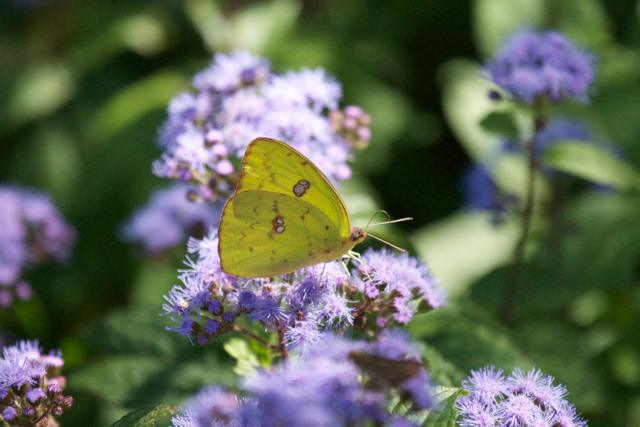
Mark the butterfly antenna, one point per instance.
(408, 218)
(380, 239)
(373, 215)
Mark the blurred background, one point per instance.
(85, 87)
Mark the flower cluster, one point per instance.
(335, 382)
(31, 387)
(31, 231)
(521, 399)
(237, 99)
(168, 219)
(382, 290)
(542, 66)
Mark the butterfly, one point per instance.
(284, 215)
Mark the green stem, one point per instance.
(247, 333)
(513, 278)
(283, 347)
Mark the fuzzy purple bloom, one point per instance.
(320, 386)
(401, 279)
(212, 406)
(542, 65)
(32, 231)
(523, 398)
(168, 219)
(301, 305)
(26, 379)
(237, 99)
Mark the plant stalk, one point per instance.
(513, 278)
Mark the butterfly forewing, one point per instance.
(271, 165)
(265, 234)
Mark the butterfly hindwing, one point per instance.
(265, 234)
(273, 166)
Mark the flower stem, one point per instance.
(283, 347)
(247, 333)
(513, 278)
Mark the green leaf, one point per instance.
(136, 100)
(494, 20)
(41, 90)
(441, 371)
(158, 416)
(500, 123)
(445, 415)
(135, 362)
(467, 337)
(262, 25)
(593, 164)
(464, 247)
(246, 360)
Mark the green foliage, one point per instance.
(594, 164)
(158, 416)
(467, 337)
(246, 360)
(502, 124)
(445, 415)
(136, 363)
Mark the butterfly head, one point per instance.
(357, 235)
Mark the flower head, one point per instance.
(207, 302)
(32, 231)
(30, 384)
(320, 385)
(237, 99)
(542, 65)
(523, 398)
(168, 219)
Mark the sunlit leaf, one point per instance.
(132, 102)
(41, 90)
(494, 20)
(592, 163)
(262, 25)
(246, 360)
(464, 247)
(155, 416)
(445, 414)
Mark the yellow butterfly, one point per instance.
(284, 215)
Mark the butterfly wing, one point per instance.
(271, 165)
(284, 215)
(266, 234)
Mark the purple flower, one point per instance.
(212, 406)
(237, 99)
(168, 219)
(400, 279)
(320, 385)
(9, 413)
(32, 231)
(230, 72)
(542, 65)
(523, 398)
(26, 379)
(206, 301)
